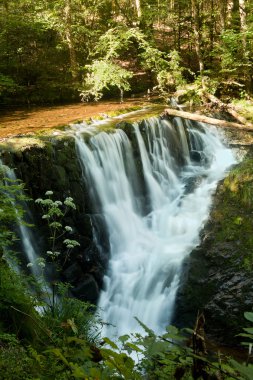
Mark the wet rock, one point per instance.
(217, 276)
(195, 155)
(60, 174)
(84, 225)
(192, 184)
(55, 166)
(72, 273)
(83, 285)
(86, 289)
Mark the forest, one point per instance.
(61, 51)
(141, 224)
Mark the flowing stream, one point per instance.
(155, 194)
(24, 232)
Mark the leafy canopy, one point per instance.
(107, 69)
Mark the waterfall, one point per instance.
(23, 231)
(148, 244)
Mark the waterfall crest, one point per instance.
(149, 239)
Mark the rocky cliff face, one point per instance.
(217, 276)
(51, 164)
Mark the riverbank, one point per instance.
(41, 119)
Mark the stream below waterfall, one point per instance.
(154, 192)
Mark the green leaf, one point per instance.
(249, 316)
(146, 329)
(187, 330)
(172, 330)
(78, 372)
(57, 352)
(74, 339)
(123, 338)
(134, 347)
(249, 330)
(157, 348)
(247, 372)
(110, 343)
(246, 335)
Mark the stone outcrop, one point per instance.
(217, 276)
(52, 164)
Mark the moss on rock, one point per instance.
(233, 214)
(217, 277)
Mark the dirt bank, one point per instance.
(41, 119)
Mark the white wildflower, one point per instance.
(49, 192)
(41, 262)
(69, 202)
(53, 254)
(29, 265)
(72, 243)
(55, 225)
(68, 228)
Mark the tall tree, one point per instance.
(138, 9)
(197, 29)
(69, 38)
(243, 22)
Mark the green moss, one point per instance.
(245, 107)
(21, 143)
(233, 214)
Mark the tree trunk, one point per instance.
(227, 107)
(223, 14)
(242, 12)
(197, 26)
(207, 120)
(212, 26)
(138, 9)
(69, 39)
(178, 27)
(230, 6)
(233, 15)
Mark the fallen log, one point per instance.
(207, 119)
(227, 107)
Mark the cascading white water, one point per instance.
(148, 247)
(24, 232)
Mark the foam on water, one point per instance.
(148, 242)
